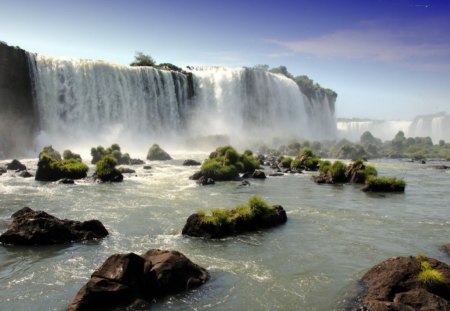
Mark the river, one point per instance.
(334, 234)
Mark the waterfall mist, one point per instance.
(84, 103)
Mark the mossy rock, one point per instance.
(384, 184)
(50, 169)
(156, 153)
(106, 170)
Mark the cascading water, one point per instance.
(93, 102)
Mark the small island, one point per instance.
(220, 223)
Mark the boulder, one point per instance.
(125, 278)
(31, 227)
(126, 170)
(276, 174)
(156, 153)
(258, 174)
(196, 176)
(2, 170)
(245, 183)
(204, 181)
(190, 162)
(196, 227)
(147, 167)
(25, 174)
(394, 285)
(136, 162)
(15, 165)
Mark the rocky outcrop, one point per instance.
(156, 153)
(124, 278)
(204, 181)
(190, 162)
(259, 174)
(394, 285)
(31, 227)
(15, 165)
(17, 117)
(196, 227)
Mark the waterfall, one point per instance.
(436, 126)
(93, 102)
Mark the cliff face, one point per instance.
(17, 117)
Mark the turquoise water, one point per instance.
(334, 234)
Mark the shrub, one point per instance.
(385, 184)
(50, 169)
(258, 206)
(52, 153)
(307, 160)
(337, 171)
(285, 162)
(324, 166)
(67, 154)
(106, 169)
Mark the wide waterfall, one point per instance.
(436, 126)
(85, 102)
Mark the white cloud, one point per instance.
(405, 47)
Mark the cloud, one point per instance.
(414, 47)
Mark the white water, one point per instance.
(436, 126)
(84, 103)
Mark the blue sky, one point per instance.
(387, 59)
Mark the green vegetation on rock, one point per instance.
(52, 153)
(68, 154)
(156, 153)
(384, 184)
(50, 169)
(429, 275)
(106, 170)
(218, 217)
(306, 160)
(113, 151)
(226, 163)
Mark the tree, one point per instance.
(140, 59)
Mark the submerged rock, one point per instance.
(394, 285)
(204, 181)
(126, 170)
(124, 278)
(190, 162)
(196, 176)
(31, 227)
(196, 227)
(25, 174)
(136, 162)
(2, 170)
(258, 174)
(147, 167)
(15, 165)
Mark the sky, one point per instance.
(386, 59)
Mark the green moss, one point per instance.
(390, 184)
(306, 160)
(337, 171)
(52, 153)
(50, 169)
(114, 151)
(256, 207)
(285, 162)
(324, 166)
(67, 154)
(429, 275)
(106, 169)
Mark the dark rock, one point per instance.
(353, 174)
(126, 170)
(49, 169)
(136, 162)
(39, 228)
(18, 118)
(195, 227)
(125, 278)
(276, 174)
(156, 153)
(25, 174)
(15, 165)
(2, 170)
(258, 174)
(66, 181)
(423, 162)
(246, 175)
(204, 181)
(191, 163)
(196, 176)
(441, 167)
(147, 167)
(394, 285)
(323, 179)
(245, 183)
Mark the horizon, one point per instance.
(387, 60)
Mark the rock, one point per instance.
(353, 174)
(66, 181)
(276, 174)
(394, 285)
(15, 165)
(245, 183)
(25, 174)
(136, 162)
(196, 176)
(49, 169)
(147, 167)
(246, 175)
(2, 170)
(258, 174)
(126, 170)
(196, 227)
(441, 167)
(39, 228)
(125, 278)
(323, 179)
(156, 153)
(191, 163)
(204, 181)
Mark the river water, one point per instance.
(334, 234)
